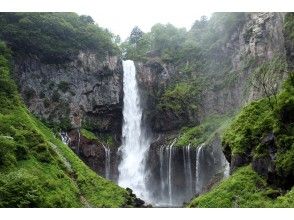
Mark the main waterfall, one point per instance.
(135, 143)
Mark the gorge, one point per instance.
(168, 118)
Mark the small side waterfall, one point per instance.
(65, 138)
(135, 143)
(162, 182)
(198, 182)
(227, 169)
(166, 174)
(188, 170)
(107, 161)
(170, 170)
(79, 140)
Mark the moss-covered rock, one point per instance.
(264, 136)
(245, 188)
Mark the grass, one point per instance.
(244, 188)
(88, 134)
(200, 133)
(36, 168)
(106, 139)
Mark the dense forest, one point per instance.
(229, 78)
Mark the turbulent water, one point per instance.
(179, 174)
(135, 144)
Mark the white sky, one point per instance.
(120, 16)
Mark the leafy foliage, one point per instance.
(54, 37)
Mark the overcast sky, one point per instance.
(121, 16)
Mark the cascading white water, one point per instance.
(227, 169)
(65, 138)
(161, 160)
(170, 193)
(107, 161)
(188, 170)
(135, 144)
(198, 185)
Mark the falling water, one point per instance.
(135, 144)
(188, 170)
(107, 161)
(170, 173)
(161, 160)
(166, 174)
(227, 169)
(65, 138)
(79, 136)
(198, 185)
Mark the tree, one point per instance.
(136, 35)
(266, 76)
(87, 19)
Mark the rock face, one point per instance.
(86, 92)
(259, 40)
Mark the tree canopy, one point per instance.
(54, 37)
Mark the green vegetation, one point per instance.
(88, 134)
(106, 139)
(255, 121)
(197, 56)
(36, 168)
(244, 188)
(54, 37)
(244, 137)
(289, 25)
(188, 50)
(200, 133)
(266, 76)
(179, 97)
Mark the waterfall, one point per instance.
(161, 160)
(79, 140)
(64, 137)
(107, 161)
(170, 173)
(135, 144)
(198, 185)
(188, 170)
(227, 169)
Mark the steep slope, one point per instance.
(69, 74)
(244, 189)
(36, 168)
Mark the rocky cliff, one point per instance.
(231, 63)
(84, 93)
